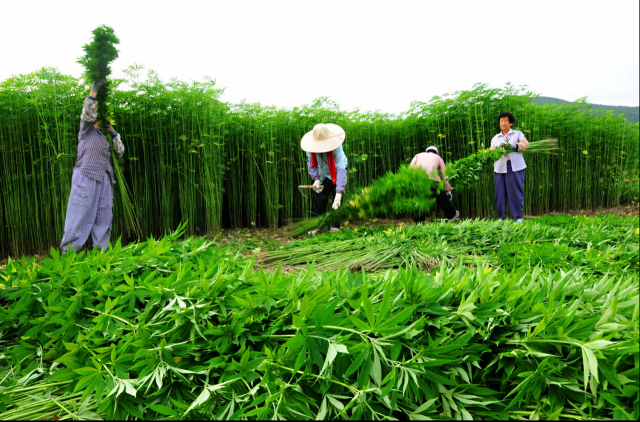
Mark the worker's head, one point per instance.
(433, 150)
(506, 120)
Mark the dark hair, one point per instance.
(507, 114)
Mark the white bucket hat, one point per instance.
(323, 138)
(432, 148)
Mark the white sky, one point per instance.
(371, 55)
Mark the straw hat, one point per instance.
(323, 138)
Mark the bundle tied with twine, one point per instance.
(410, 190)
(99, 54)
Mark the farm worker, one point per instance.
(89, 210)
(509, 170)
(327, 166)
(433, 164)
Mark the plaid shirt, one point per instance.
(94, 157)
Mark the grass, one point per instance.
(181, 328)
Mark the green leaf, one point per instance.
(592, 362)
(360, 325)
(336, 403)
(163, 410)
(332, 352)
(539, 327)
(376, 370)
(432, 376)
(131, 409)
(357, 362)
(368, 309)
(395, 350)
(385, 307)
(64, 374)
(424, 406)
(599, 344)
(202, 398)
(323, 410)
(398, 317)
(365, 371)
(611, 398)
(300, 360)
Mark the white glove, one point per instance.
(317, 187)
(523, 145)
(336, 201)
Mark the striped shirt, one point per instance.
(94, 156)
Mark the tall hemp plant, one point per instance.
(99, 54)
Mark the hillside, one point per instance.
(631, 113)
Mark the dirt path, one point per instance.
(282, 235)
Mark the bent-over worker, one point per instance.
(327, 165)
(433, 164)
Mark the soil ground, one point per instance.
(282, 235)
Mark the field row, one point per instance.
(183, 328)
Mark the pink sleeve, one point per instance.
(441, 165)
(413, 162)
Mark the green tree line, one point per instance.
(630, 113)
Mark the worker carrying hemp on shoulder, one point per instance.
(433, 164)
(89, 210)
(327, 166)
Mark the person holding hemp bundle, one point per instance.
(327, 166)
(509, 170)
(433, 164)
(89, 210)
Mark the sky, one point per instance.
(367, 55)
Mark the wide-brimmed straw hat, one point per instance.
(324, 137)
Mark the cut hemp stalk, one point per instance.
(99, 54)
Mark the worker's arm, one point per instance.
(441, 167)
(90, 108)
(341, 168)
(118, 146)
(313, 171)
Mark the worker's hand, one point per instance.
(109, 129)
(336, 201)
(508, 146)
(492, 148)
(447, 186)
(99, 83)
(523, 145)
(317, 187)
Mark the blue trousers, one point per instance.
(89, 212)
(509, 187)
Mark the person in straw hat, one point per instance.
(327, 166)
(433, 164)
